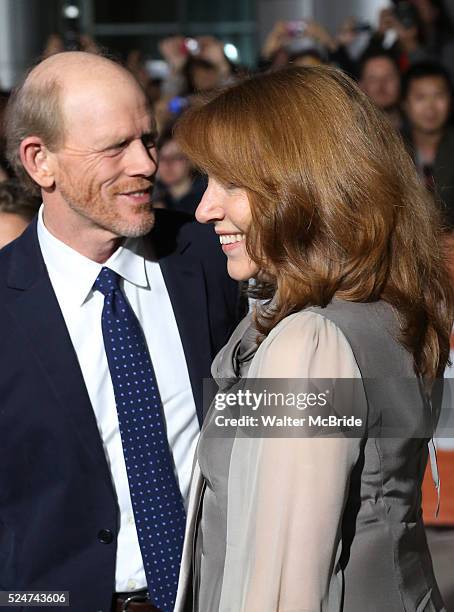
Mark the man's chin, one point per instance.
(135, 227)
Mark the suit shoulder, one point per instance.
(171, 220)
(172, 227)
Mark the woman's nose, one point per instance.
(210, 208)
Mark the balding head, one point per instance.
(74, 70)
(42, 105)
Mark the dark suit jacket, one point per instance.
(443, 173)
(58, 511)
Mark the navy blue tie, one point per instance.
(156, 498)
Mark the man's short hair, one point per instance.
(309, 52)
(422, 70)
(33, 109)
(16, 201)
(376, 54)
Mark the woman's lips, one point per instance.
(230, 242)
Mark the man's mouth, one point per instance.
(138, 196)
(135, 194)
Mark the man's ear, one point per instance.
(38, 161)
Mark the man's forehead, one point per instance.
(380, 65)
(432, 82)
(98, 112)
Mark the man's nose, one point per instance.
(142, 160)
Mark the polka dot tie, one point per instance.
(156, 498)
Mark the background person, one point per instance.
(17, 209)
(379, 77)
(427, 102)
(178, 185)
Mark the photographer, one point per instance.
(301, 43)
(196, 64)
(415, 31)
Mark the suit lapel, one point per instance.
(185, 282)
(35, 309)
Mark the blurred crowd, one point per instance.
(405, 65)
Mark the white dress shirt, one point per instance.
(72, 276)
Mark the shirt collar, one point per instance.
(77, 274)
(128, 263)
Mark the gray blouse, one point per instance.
(319, 524)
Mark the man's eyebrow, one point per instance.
(151, 135)
(113, 142)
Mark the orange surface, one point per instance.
(445, 461)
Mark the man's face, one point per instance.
(428, 104)
(105, 169)
(205, 79)
(381, 82)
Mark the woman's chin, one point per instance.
(241, 270)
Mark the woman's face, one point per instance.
(227, 207)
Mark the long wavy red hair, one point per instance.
(337, 206)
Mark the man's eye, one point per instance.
(149, 142)
(118, 147)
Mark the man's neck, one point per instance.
(181, 189)
(94, 243)
(426, 144)
(395, 117)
